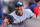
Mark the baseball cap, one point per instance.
(10, 17)
(19, 3)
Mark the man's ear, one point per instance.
(15, 7)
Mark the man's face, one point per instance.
(6, 21)
(19, 8)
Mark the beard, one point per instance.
(20, 12)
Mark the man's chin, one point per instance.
(19, 11)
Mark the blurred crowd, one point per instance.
(8, 6)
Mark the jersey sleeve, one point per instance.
(31, 14)
(36, 11)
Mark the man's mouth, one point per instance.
(19, 10)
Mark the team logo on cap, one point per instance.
(20, 3)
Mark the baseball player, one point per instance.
(21, 15)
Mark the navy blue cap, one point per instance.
(19, 3)
(10, 17)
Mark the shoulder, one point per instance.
(34, 5)
(12, 13)
(28, 10)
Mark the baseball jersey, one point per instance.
(27, 13)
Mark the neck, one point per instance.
(19, 14)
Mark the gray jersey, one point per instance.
(27, 13)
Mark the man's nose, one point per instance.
(19, 7)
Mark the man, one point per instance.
(7, 20)
(34, 7)
(21, 15)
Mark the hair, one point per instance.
(5, 15)
(37, 1)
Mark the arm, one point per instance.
(34, 17)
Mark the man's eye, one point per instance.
(16, 7)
